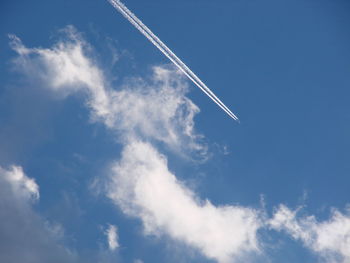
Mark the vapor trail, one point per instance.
(165, 50)
(169, 54)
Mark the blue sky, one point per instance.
(109, 154)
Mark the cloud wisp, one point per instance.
(156, 110)
(139, 25)
(330, 239)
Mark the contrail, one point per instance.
(137, 23)
(165, 50)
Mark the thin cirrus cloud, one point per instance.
(142, 112)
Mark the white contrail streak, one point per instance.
(175, 60)
(165, 50)
(137, 23)
(149, 34)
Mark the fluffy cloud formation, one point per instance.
(329, 239)
(144, 188)
(155, 109)
(24, 235)
(142, 112)
(112, 237)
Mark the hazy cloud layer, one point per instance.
(27, 237)
(24, 235)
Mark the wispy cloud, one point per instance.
(154, 109)
(329, 239)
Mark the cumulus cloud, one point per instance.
(144, 188)
(141, 112)
(155, 108)
(329, 239)
(112, 237)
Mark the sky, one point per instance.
(109, 154)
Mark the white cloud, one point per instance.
(64, 68)
(329, 239)
(26, 236)
(156, 108)
(143, 187)
(112, 237)
(22, 185)
(153, 109)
